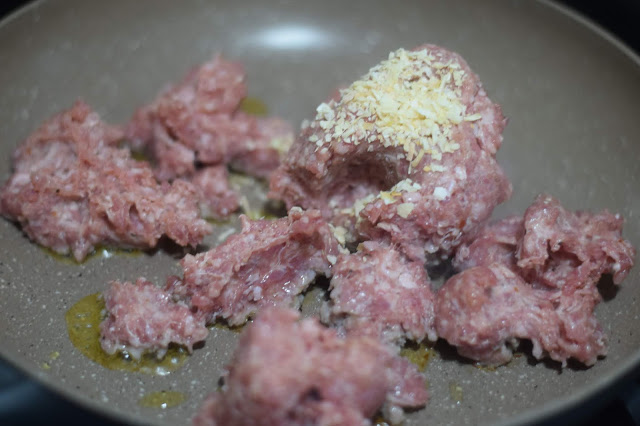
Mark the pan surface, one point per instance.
(571, 95)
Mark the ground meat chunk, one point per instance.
(408, 389)
(143, 317)
(556, 242)
(269, 263)
(377, 292)
(551, 246)
(199, 121)
(405, 155)
(558, 257)
(196, 111)
(267, 142)
(198, 124)
(494, 243)
(171, 159)
(218, 199)
(484, 310)
(287, 371)
(73, 189)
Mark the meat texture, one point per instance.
(287, 371)
(143, 317)
(213, 185)
(377, 292)
(534, 277)
(552, 247)
(269, 263)
(558, 244)
(267, 143)
(494, 243)
(405, 155)
(484, 310)
(199, 123)
(73, 188)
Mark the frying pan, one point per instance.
(570, 92)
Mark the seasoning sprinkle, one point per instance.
(411, 100)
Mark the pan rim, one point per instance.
(598, 388)
(25, 367)
(544, 412)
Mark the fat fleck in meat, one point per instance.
(198, 123)
(555, 258)
(287, 371)
(405, 155)
(269, 263)
(484, 310)
(143, 317)
(378, 293)
(73, 189)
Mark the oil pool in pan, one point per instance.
(83, 324)
(478, 402)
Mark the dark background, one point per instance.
(620, 17)
(23, 402)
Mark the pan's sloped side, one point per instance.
(571, 96)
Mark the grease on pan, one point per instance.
(83, 325)
(537, 72)
(162, 399)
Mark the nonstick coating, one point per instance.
(570, 92)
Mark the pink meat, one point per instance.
(171, 159)
(484, 310)
(269, 263)
(143, 317)
(378, 293)
(199, 121)
(218, 199)
(73, 189)
(332, 166)
(556, 242)
(190, 111)
(266, 143)
(552, 247)
(408, 390)
(288, 371)
(559, 257)
(494, 243)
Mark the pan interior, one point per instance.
(571, 99)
